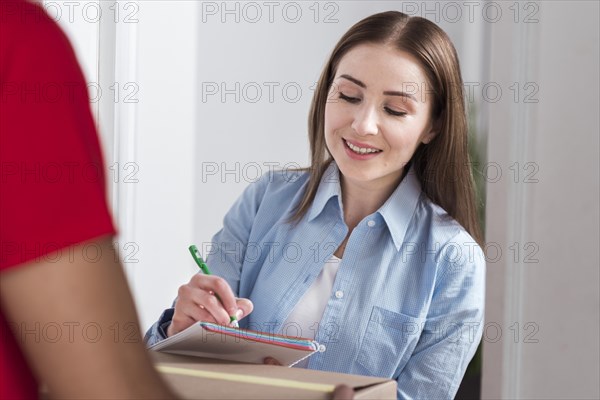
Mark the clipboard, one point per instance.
(205, 339)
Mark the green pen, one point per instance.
(198, 258)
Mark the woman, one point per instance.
(374, 250)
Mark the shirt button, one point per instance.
(322, 348)
(339, 294)
(371, 223)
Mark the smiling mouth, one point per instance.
(361, 150)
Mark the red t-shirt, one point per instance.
(51, 170)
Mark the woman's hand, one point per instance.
(197, 301)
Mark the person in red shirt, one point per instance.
(67, 318)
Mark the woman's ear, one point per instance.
(433, 131)
(429, 136)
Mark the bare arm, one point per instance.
(100, 353)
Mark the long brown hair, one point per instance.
(442, 166)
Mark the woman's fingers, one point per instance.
(343, 392)
(245, 307)
(271, 361)
(198, 301)
(188, 310)
(217, 286)
(211, 304)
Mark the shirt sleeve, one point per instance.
(227, 249)
(453, 328)
(158, 331)
(228, 245)
(53, 193)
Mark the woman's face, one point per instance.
(377, 113)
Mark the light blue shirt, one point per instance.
(408, 298)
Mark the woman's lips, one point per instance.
(359, 151)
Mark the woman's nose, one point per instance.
(365, 121)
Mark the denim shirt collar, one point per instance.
(400, 207)
(397, 211)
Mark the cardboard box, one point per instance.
(201, 378)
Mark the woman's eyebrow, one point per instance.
(387, 92)
(402, 94)
(354, 80)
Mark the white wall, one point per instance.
(142, 56)
(545, 299)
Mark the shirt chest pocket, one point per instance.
(388, 343)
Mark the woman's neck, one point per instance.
(360, 200)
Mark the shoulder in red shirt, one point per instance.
(51, 170)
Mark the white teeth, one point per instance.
(361, 150)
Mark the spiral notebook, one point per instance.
(204, 339)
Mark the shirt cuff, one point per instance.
(158, 331)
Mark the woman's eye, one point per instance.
(395, 113)
(349, 99)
